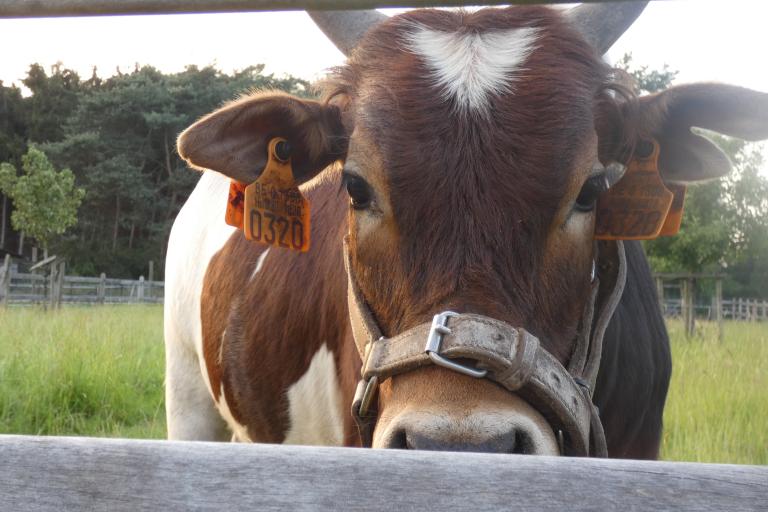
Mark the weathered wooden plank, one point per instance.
(687, 275)
(6, 273)
(82, 279)
(42, 474)
(43, 8)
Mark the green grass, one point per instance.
(717, 408)
(95, 371)
(99, 371)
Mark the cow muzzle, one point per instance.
(438, 409)
(479, 347)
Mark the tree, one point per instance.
(647, 81)
(13, 135)
(121, 141)
(45, 200)
(54, 98)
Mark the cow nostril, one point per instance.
(523, 444)
(399, 441)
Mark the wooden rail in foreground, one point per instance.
(45, 8)
(56, 473)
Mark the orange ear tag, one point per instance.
(235, 201)
(675, 215)
(636, 207)
(275, 211)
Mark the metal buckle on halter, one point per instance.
(367, 397)
(435, 337)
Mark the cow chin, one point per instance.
(436, 409)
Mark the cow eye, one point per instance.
(359, 191)
(590, 191)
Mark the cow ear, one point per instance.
(233, 140)
(672, 116)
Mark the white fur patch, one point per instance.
(259, 263)
(198, 233)
(315, 406)
(471, 66)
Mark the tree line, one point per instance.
(116, 138)
(117, 135)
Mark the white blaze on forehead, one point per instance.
(471, 66)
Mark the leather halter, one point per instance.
(507, 355)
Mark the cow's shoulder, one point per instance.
(273, 328)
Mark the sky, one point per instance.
(722, 40)
(705, 40)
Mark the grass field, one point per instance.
(99, 372)
(94, 371)
(717, 408)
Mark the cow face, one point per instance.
(472, 172)
(474, 148)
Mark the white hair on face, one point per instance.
(471, 66)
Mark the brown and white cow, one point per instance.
(462, 154)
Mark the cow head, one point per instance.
(474, 147)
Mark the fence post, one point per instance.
(140, 291)
(719, 308)
(692, 305)
(5, 282)
(60, 283)
(684, 304)
(101, 289)
(660, 293)
(688, 312)
(52, 280)
(149, 281)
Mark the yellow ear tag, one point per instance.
(636, 207)
(275, 211)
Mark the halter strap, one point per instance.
(510, 356)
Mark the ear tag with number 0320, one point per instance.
(275, 212)
(639, 206)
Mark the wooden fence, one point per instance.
(748, 310)
(53, 473)
(56, 288)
